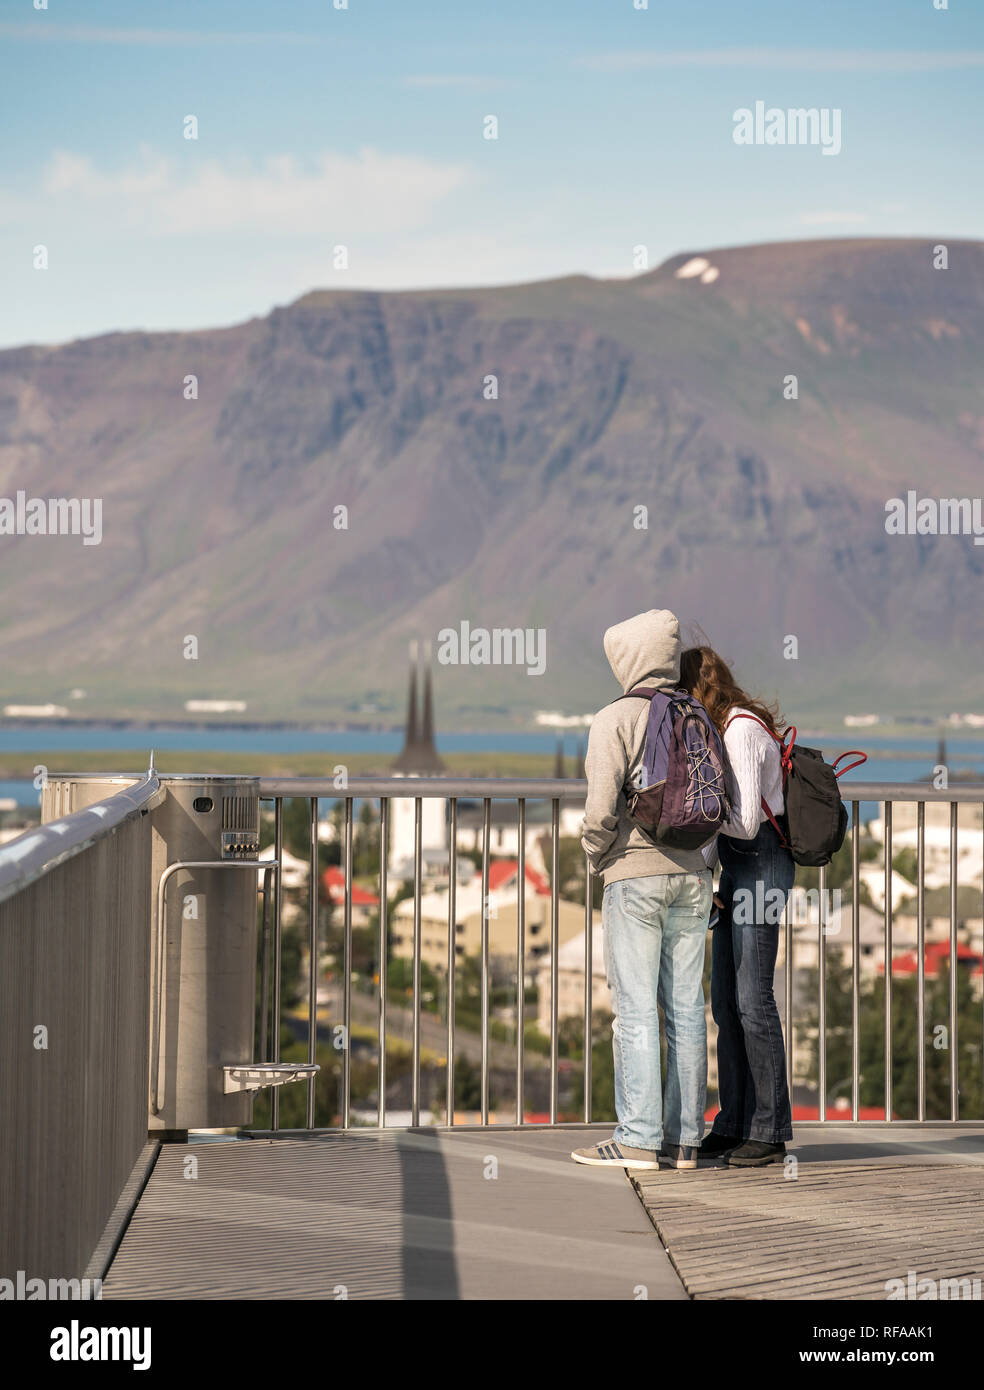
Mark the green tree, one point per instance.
(399, 984)
(602, 1067)
(329, 1082)
(840, 870)
(365, 849)
(905, 1042)
(906, 863)
(467, 1085)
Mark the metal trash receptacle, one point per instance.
(203, 931)
(206, 839)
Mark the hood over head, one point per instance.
(645, 650)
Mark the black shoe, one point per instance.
(754, 1154)
(715, 1144)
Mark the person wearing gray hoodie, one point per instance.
(655, 911)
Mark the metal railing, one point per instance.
(76, 987)
(75, 900)
(522, 792)
(75, 948)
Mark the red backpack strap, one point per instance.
(765, 726)
(851, 753)
(785, 743)
(775, 824)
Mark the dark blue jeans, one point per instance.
(756, 878)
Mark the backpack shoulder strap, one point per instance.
(775, 824)
(761, 722)
(643, 692)
(785, 741)
(785, 757)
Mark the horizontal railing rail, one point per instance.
(556, 788)
(31, 855)
(558, 792)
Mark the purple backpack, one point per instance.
(682, 798)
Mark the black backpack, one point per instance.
(815, 816)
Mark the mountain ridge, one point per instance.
(766, 516)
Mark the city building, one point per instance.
(570, 980)
(502, 919)
(363, 902)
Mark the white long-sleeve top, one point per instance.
(755, 772)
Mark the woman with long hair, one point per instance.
(754, 1120)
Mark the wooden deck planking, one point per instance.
(839, 1230)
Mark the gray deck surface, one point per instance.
(391, 1215)
(858, 1209)
(412, 1215)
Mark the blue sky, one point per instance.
(363, 127)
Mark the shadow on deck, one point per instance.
(505, 1214)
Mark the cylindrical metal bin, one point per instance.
(203, 968)
(204, 1001)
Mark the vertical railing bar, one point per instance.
(921, 960)
(278, 854)
(347, 967)
(486, 851)
(520, 954)
(889, 965)
(452, 953)
(822, 995)
(588, 984)
(383, 960)
(313, 958)
(788, 1020)
(417, 875)
(855, 959)
(554, 951)
(954, 1019)
(264, 1039)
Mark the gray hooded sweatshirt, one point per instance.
(644, 650)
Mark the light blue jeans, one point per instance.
(655, 936)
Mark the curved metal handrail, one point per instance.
(42, 848)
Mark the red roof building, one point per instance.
(334, 885)
(503, 872)
(936, 953)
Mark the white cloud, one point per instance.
(333, 195)
(785, 59)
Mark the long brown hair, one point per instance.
(707, 677)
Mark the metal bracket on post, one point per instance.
(158, 1060)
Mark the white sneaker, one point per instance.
(612, 1155)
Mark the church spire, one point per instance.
(419, 753)
(427, 726)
